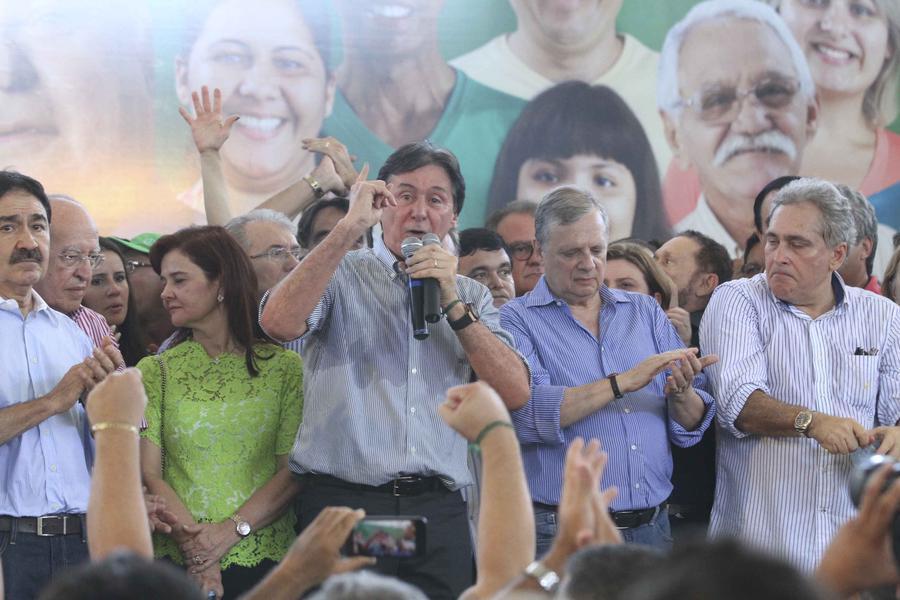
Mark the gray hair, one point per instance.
(564, 206)
(668, 91)
(837, 216)
(237, 226)
(365, 585)
(864, 220)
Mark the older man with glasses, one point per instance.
(267, 236)
(515, 224)
(738, 104)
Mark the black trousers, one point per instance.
(446, 569)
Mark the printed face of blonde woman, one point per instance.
(263, 57)
(607, 180)
(845, 42)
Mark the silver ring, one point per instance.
(198, 560)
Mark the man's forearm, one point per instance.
(292, 200)
(292, 301)
(23, 416)
(215, 193)
(583, 400)
(496, 364)
(764, 415)
(688, 411)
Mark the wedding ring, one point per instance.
(198, 560)
(435, 264)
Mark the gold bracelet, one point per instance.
(318, 192)
(113, 425)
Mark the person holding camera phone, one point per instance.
(371, 437)
(808, 367)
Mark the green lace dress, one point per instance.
(222, 432)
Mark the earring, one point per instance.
(220, 297)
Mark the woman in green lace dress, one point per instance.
(223, 410)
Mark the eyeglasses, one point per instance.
(132, 265)
(71, 259)
(521, 250)
(720, 104)
(280, 253)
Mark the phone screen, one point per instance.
(397, 537)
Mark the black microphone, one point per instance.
(433, 312)
(408, 247)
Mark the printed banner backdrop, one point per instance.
(92, 89)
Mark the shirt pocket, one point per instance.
(858, 386)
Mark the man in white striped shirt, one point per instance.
(808, 370)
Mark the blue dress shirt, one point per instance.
(635, 430)
(45, 468)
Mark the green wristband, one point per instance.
(476, 445)
(451, 305)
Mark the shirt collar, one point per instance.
(841, 297)
(541, 295)
(10, 304)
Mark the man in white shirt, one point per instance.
(738, 104)
(808, 366)
(553, 43)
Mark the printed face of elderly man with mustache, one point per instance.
(740, 108)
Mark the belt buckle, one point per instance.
(402, 485)
(40, 525)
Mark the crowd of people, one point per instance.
(614, 401)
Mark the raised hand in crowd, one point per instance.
(861, 556)
(583, 512)
(335, 172)
(313, 557)
(117, 514)
(209, 128)
(506, 538)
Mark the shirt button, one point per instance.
(34, 360)
(412, 449)
(637, 485)
(53, 468)
(413, 410)
(633, 447)
(414, 371)
(627, 410)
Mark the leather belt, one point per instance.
(623, 519)
(629, 519)
(48, 525)
(404, 485)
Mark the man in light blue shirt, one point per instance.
(809, 367)
(46, 364)
(598, 358)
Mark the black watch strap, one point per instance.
(464, 321)
(615, 386)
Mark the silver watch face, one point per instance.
(243, 528)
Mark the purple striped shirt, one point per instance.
(635, 430)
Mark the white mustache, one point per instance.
(769, 141)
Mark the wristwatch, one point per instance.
(802, 422)
(547, 579)
(464, 321)
(241, 526)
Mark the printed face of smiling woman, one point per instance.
(263, 57)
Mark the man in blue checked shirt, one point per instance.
(606, 364)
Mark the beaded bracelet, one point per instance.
(476, 445)
(114, 425)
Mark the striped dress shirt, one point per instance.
(635, 430)
(788, 495)
(371, 390)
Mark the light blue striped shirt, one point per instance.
(371, 390)
(635, 430)
(44, 468)
(787, 494)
